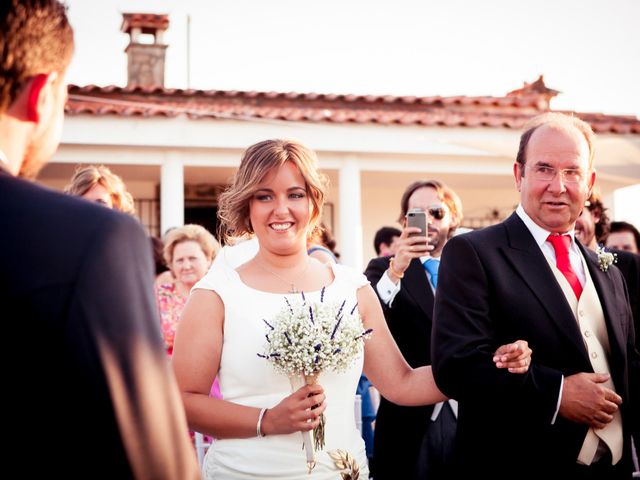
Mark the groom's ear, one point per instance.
(37, 93)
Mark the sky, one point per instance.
(587, 49)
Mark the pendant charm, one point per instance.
(293, 289)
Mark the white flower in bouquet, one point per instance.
(306, 338)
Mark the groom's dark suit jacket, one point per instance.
(85, 379)
(399, 430)
(495, 286)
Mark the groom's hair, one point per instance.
(35, 38)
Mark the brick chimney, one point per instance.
(145, 60)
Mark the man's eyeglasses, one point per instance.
(547, 174)
(437, 212)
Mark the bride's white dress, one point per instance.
(247, 379)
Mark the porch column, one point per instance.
(171, 193)
(350, 245)
(625, 205)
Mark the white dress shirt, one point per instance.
(388, 290)
(540, 236)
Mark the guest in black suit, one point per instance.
(385, 241)
(415, 442)
(84, 374)
(593, 223)
(571, 415)
(623, 236)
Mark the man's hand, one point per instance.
(514, 356)
(586, 400)
(409, 248)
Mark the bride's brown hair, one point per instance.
(257, 161)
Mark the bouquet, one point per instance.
(306, 338)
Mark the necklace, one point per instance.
(292, 285)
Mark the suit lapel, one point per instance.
(417, 286)
(531, 265)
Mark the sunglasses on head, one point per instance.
(436, 211)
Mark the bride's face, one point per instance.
(280, 210)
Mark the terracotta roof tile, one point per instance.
(145, 21)
(511, 111)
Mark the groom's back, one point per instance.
(54, 381)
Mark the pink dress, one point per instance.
(170, 305)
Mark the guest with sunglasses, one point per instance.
(415, 442)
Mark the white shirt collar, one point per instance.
(540, 235)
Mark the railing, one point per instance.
(148, 212)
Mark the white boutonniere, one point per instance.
(605, 258)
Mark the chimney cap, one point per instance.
(147, 22)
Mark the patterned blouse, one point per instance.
(170, 304)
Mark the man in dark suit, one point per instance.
(406, 291)
(593, 223)
(592, 226)
(85, 376)
(571, 415)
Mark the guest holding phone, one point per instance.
(415, 442)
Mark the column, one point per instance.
(171, 193)
(625, 206)
(350, 245)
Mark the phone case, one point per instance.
(417, 219)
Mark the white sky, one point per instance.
(588, 49)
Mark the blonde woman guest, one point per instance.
(99, 184)
(277, 195)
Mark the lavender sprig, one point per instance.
(268, 324)
(335, 329)
(289, 305)
(309, 337)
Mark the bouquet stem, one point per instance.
(313, 440)
(318, 432)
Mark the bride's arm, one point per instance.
(196, 360)
(384, 364)
(390, 373)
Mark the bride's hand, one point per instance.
(300, 411)
(515, 356)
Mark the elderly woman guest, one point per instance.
(277, 195)
(188, 251)
(99, 184)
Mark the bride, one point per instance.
(277, 196)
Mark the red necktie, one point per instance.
(560, 244)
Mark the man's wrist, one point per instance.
(393, 272)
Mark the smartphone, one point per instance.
(416, 217)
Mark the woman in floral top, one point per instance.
(188, 251)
